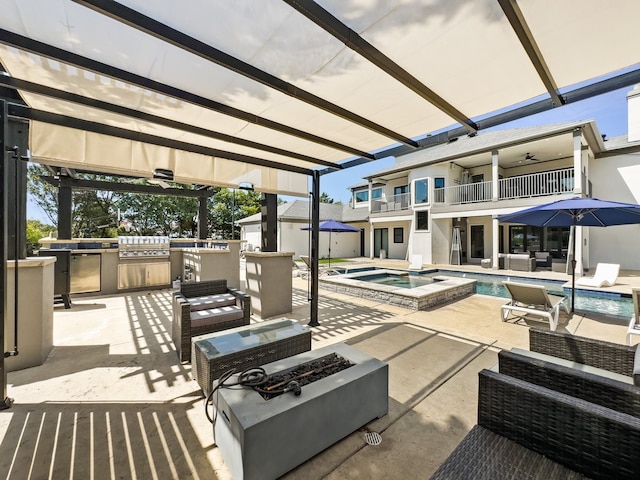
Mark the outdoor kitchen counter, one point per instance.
(210, 262)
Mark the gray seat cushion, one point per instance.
(210, 316)
(211, 301)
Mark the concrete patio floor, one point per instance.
(112, 400)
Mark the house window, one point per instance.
(421, 191)
(401, 189)
(438, 189)
(376, 193)
(398, 235)
(422, 220)
(361, 196)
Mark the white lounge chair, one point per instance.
(416, 262)
(605, 276)
(533, 300)
(634, 324)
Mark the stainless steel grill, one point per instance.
(143, 246)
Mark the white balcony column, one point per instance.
(494, 176)
(496, 243)
(577, 161)
(370, 199)
(371, 240)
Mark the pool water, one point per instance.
(401, 281)
(598, 302)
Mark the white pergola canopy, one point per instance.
(226, 92)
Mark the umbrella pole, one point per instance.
(573, 269)
(329, 248)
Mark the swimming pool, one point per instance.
(610, 303)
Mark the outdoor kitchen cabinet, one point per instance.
(143, 274)
(85, 272)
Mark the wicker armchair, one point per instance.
(566, 409)
(206, 307)
(521, 423)
(591, 384)
(610, 356)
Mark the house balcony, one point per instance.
(395, 203)
(539, 184)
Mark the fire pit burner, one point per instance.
(303, 374)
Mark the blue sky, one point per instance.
(609, 111)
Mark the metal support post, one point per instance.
(203, 232)
(5, 401)
(315, 243)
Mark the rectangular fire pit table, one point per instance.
(263, 439)
(243, 347)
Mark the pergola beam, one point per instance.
(161, 31)
(519, 24)
(49, 51)
(355, 42)
(86, 184)
(26, 85)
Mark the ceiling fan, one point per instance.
(530, 157)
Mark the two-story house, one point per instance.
(442, 202)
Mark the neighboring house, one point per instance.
(293, 216)
(415, 206)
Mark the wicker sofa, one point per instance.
(206, 307)
(541, 416)
(519, 261)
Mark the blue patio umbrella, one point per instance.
(332, 226)
(572, 212)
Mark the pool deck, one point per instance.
(112, 400)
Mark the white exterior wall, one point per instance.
(633, 104)
(252, 234)
(441, 232)
(615, 178)
(292, 239)
(433, 244)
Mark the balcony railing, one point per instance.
(521, 186)
(394, 203)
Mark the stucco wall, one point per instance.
(615, 178)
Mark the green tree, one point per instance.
(43, 194)
(96, 213)
(35, 231)
(325, 198)
(173, 216)
(227, 206)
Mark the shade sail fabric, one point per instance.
(68, 147)
(465, 52)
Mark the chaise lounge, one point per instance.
(533, 300)
(206, 307)
(605, 276)
(634, 323)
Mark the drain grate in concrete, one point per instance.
(373, 438)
